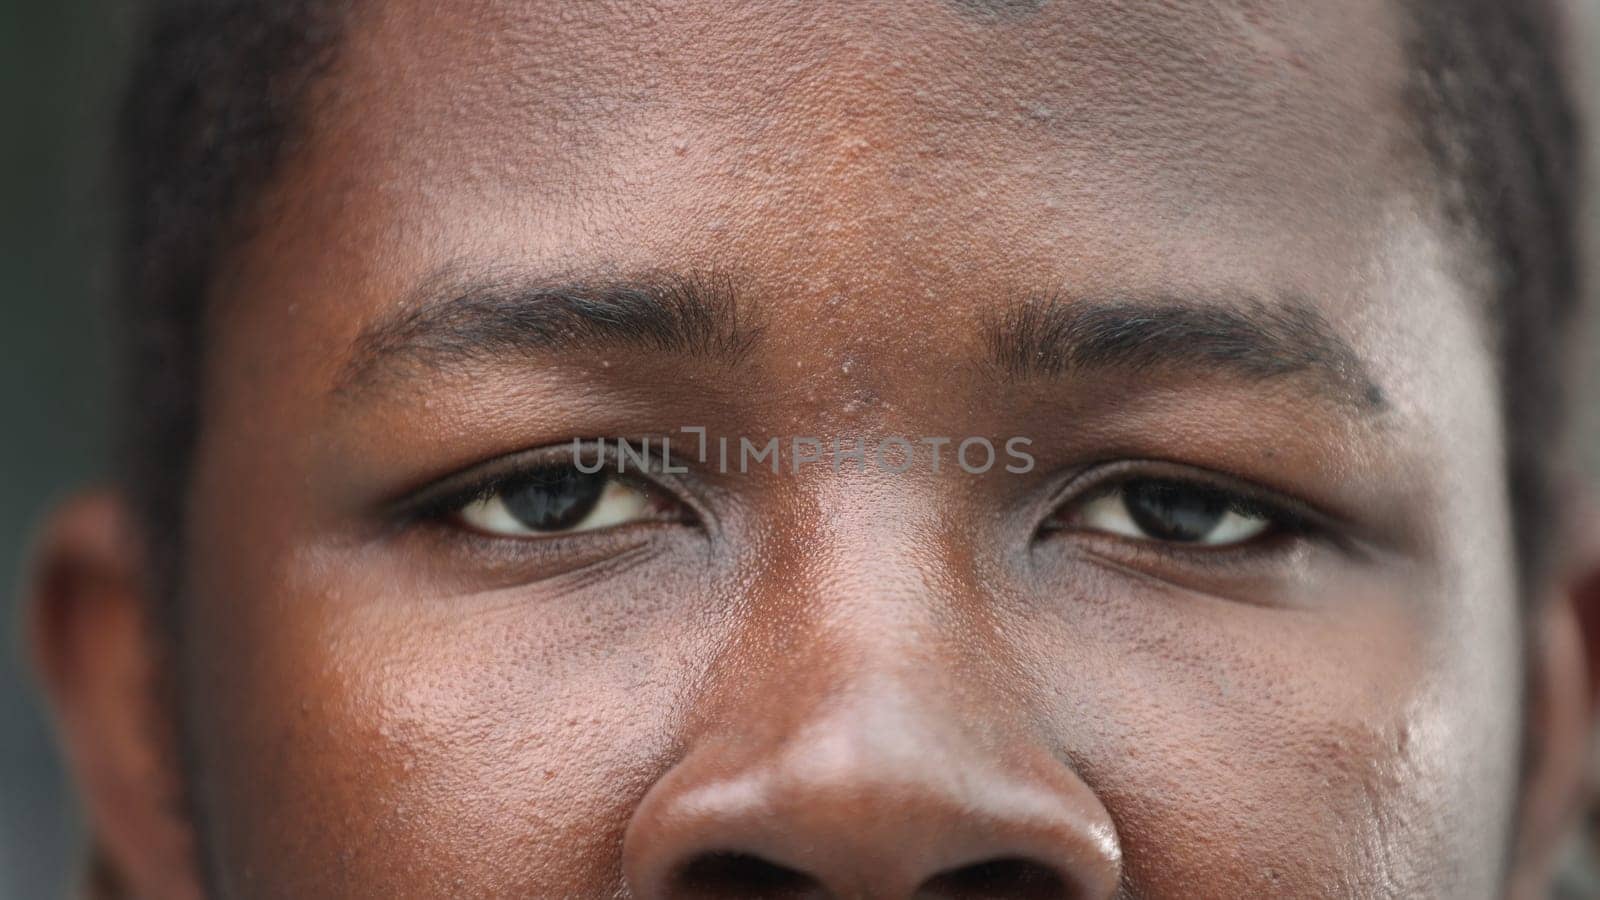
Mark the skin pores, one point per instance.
(869, 684)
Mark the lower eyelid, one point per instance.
(1255, 573)
(1250, 558)
(476, 561)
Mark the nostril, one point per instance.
(730, 875)
(1005, 878)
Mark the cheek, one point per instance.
(1365, 749)
(365, 737)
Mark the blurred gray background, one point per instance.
(61, 61)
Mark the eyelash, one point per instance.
(440, 503)
(1288, 519)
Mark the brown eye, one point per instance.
(1172, 512)
(556, 499)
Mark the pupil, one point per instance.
(1174, 512)
(554, 498)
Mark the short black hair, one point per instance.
(218, 94)
(1497, 113)
(214, 102)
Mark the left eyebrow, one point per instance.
(1046, 338)
(460, 323)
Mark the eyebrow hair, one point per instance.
(1049, 338)
(463, 321)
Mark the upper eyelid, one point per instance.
(1096, 481)
(447, 495)
(1310, 521)
(1237, 501)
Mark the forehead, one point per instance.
(1156, 79)
(881, 177)
(1065, 137)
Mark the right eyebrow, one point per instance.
(458, 324)
(1046, 338)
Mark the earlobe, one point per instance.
(100, 664)
(1586, 604)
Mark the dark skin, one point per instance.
(839, 683)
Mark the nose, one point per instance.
(879, 797)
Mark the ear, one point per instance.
(88, 624)
(1563, 697)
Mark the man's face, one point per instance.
(1247, 626)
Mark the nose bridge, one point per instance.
(852, 745)
(853, 646)
(839, 605)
